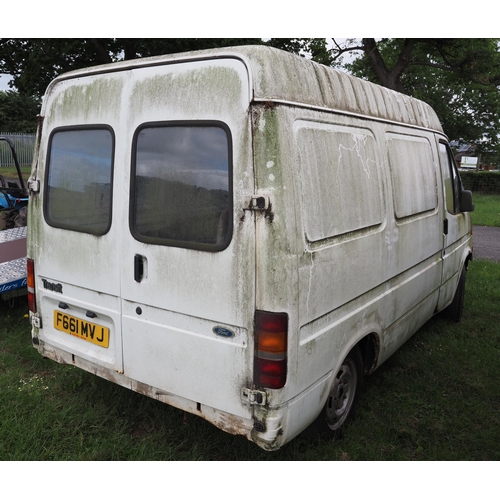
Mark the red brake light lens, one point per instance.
(31, 285)
(271, 343)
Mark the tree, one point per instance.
(18, 112)
(390, 61)
(459, 78)
(35, 62)
(315, 48)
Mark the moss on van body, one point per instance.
(97, 98)
(189, 93)
(276, 233)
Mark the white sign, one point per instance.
(468, 162)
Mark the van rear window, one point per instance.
(78, 191)
(182, 193)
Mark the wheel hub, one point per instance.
(341, 395)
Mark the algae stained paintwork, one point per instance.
(143, 322)
(245, 183)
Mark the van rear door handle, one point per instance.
(138, 267)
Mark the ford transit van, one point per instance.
(240, 233)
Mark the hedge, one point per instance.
(481, 182)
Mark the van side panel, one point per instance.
(362, 223)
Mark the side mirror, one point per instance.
(466, 204)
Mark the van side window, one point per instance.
(414, 182)
(78, 186)
(451, 179)
(182, 192)
(339, 180)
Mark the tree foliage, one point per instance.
(316, 48)
(35, 62)
(458, 77)
(18, 112)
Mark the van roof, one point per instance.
(280, 76)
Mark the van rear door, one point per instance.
(145, 259)
(187, 254)
(74, 246)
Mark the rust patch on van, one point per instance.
(231, 424)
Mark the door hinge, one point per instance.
(35, 320)
(253, 397)
(34, 186)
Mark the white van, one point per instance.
(240, 233)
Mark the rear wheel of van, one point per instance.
(456, 308)
(342, 398)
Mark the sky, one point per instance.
(4, 79)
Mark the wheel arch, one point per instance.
(369, 346)
(468, 258)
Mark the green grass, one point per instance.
(11, 172)
(486, 210)
(437, 398)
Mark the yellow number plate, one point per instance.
(85, 330)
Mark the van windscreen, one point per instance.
(182, 193)
(78, 193)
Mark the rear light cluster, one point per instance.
(31, 285)
(271, 339)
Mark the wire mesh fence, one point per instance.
(481, 182)
(24, 145)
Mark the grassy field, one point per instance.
(486, 210)
(437, 398)
(11, 172)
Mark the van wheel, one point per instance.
(342, 398)
(455, 309)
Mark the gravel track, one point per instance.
(486, 242)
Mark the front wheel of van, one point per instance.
(342, 398)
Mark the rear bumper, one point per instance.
(223, 420)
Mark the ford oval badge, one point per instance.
(222, 332)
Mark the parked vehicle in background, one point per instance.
(13, 216)
(240, 233)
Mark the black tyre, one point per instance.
(342, 398)
(455, 309)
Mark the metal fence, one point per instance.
(481, 182)
(24, 145)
